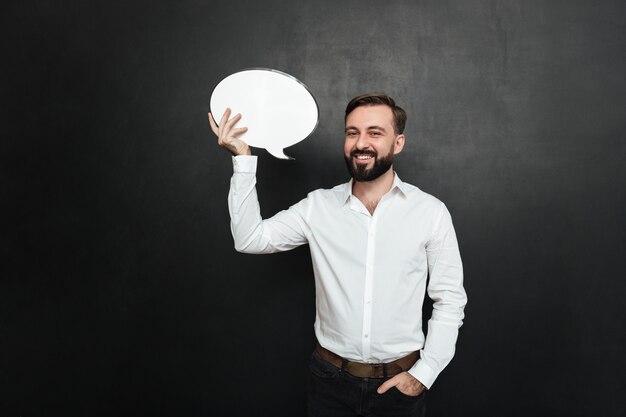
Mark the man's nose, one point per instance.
(362, 142)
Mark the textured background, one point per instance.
(120, 292)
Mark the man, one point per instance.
(373, 241)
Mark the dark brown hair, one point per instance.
(372, 99)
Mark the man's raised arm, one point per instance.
(252, 234)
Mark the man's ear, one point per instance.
(398, 144)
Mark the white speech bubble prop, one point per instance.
(278, 110)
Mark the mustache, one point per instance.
(355, 153)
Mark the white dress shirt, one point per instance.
(370, 269)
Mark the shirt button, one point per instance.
(365, 336)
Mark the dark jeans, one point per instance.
(336, 393)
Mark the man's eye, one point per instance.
(375, 133)
(351, 133)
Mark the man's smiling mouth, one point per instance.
(363, 156)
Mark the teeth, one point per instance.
(363, 156)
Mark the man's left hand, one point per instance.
(405, 383)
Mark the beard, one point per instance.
(361, 172)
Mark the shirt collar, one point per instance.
(397, 184)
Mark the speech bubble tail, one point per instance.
(278, 153)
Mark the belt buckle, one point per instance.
(366, 370)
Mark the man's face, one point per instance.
(371, 142)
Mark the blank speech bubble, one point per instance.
(278, 109)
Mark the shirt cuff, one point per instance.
(423, 373)
(244, 164)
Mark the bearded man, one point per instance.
(378, 245)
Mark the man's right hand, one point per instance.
(227, 136)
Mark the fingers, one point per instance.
(388, 384)
(225, 130)
(405, 383)
(228, 135)
(214, 127)
(225, 117)
(239, 131)
(232, 122)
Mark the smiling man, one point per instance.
(378, 245)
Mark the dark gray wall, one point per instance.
(120, 292)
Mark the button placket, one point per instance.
(368, 288)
